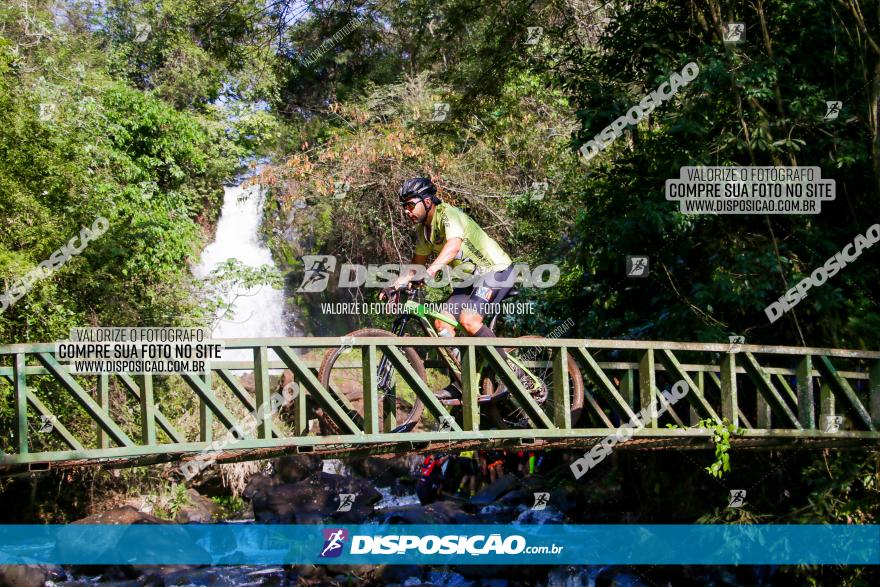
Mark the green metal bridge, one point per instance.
(779, 396)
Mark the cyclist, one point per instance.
(460, 243)
(429, 487)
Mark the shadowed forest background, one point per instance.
(141, 111)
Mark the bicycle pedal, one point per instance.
(451, 391)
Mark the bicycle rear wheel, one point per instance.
(505, 413)
(348, 380)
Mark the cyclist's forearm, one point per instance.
(447, 254)
(406, 276)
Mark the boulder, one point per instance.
(84, 546)
(590, 575)
(199, 510)
(30, 575)
(495, 491)
(312, 500)
(439, 512)
(125, 515)
(257, 484)
(293, 469)
(386, 471)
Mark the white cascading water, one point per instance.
(260, 312)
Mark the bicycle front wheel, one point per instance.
(504, 412)
(341, 372)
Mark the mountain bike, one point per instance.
(532, 365)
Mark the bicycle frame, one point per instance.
(423, 313)
(414, 309)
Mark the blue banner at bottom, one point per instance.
(234, 544)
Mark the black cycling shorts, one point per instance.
(487, 289)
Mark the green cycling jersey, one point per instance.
(479, 252)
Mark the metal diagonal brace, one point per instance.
(600, 380)
(57, 426)
(767, 389)
(534, 412)
(84, 399)
(695, 397)
(240, 392)
(213, 403)
(425, 394)
(842, 388)
(163, 422)
(68, 438)
(324, 398)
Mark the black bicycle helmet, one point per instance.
(418, 187)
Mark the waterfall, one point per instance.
(259, 313)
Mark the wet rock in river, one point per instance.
(292, 469)
(495, 491)
(76, 542)
(198, 510)
(314, 500)
(29, 575)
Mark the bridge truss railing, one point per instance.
(771, 393)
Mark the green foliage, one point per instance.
(230, 505)
(751, 104)
(721, 432)
(188, 51)
(228, 282)
(81, 145)
(172, 499)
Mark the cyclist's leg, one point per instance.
(491, 288)
(452, 308)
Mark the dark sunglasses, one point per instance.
(411, 204)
